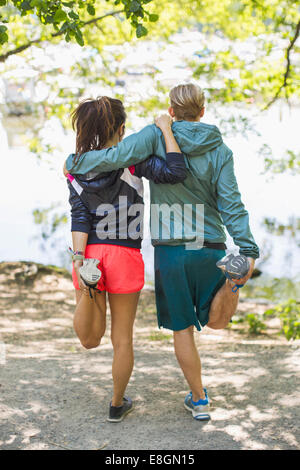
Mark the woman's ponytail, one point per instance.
(96, 122)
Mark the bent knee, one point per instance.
(218, 325)
(91, 344)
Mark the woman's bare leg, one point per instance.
(90, 314)
(90, 318)
(123, 310)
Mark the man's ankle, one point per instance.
(198, 396)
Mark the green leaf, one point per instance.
(36, 3)
(2, 3)
(73, 15)
(59, 16)
(79, 38)
(141, 31)
(25, 6)
(134, 6)
(153, 18)
(65, 26)
(3, 38)
(91, 9)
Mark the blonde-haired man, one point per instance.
(191, 291)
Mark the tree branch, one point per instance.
(22, 48)
(288, 66)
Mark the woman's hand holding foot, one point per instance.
(82, 286)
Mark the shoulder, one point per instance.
(222, 157)
(210, 127)
(223, 153)
(226, 152)
(151, 130)
(147, 130)
(146, 137)
(69, 161)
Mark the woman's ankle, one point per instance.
(117, 401)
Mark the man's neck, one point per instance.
(189, 120)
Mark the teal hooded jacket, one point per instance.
(210, 184)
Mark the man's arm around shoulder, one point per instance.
(132, 150)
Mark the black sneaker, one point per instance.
(118, 413)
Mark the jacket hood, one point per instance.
(196, 138)
(93, 182)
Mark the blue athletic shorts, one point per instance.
(186, 281)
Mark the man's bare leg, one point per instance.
(90, 318)
(223, 306)
(189, 360)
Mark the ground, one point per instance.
(55, 395)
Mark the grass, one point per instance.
(159, 336)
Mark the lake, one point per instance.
(29, 183)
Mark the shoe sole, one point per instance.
(91, 279)
(205, 417)
(118, 420)
(234, 275)
(88, 284)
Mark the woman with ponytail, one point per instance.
(107, 231)
(196, 282)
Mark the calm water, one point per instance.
(28, 184)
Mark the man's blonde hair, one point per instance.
(187, 101)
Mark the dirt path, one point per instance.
(55, 395)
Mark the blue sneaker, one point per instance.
(198, 409)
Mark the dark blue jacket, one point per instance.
(109, 206)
